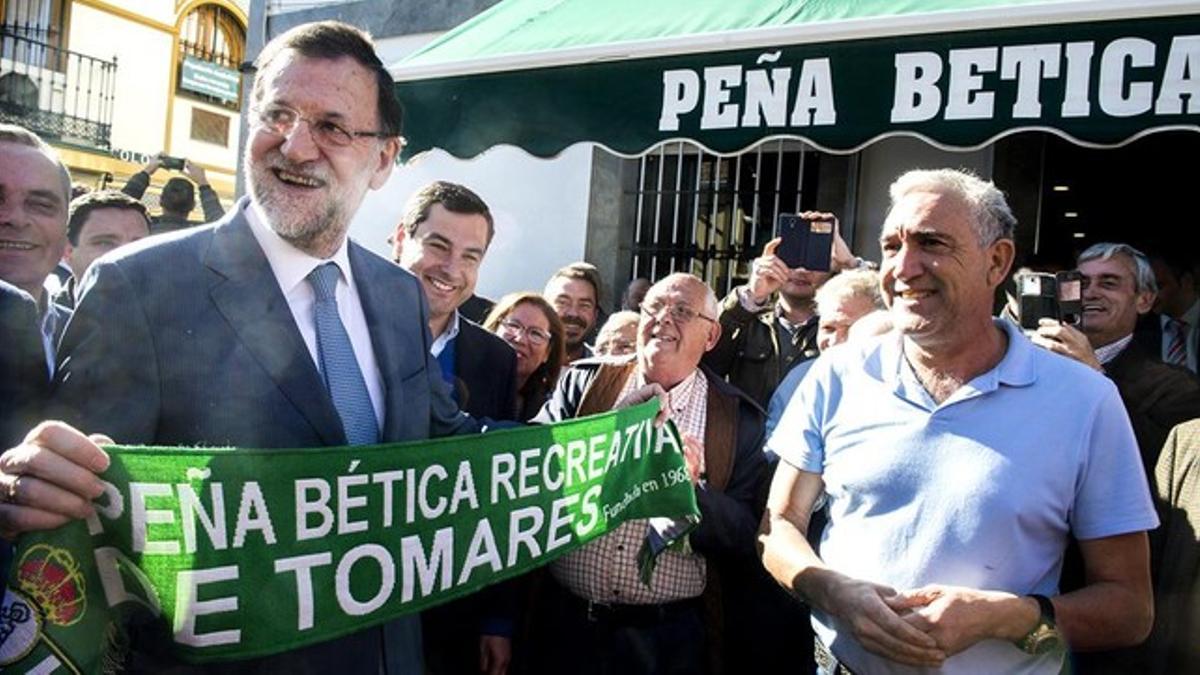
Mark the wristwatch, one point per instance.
(1044, 637)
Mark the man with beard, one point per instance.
(761, 341)
(268, 329)
(574, 291)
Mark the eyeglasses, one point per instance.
(512, 328)
(282, 120)
(680, 314)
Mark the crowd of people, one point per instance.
(939, 491)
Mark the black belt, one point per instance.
(616, 614)
(826, 660)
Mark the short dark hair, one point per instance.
(83, 205)
(333, 40)
(178, 196)
(19, 135)
(584, 271)
(453, 197)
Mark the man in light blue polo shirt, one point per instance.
(957, 457)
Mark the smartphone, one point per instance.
(1038, 294)
(172, 163)
(1056, 296)
(805, 243)
(1070, 297)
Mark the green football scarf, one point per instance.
(338, 539)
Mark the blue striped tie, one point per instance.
(339, 367)
(1177, 348)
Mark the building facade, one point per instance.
(111, 84)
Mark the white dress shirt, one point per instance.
(440, 341)
(291, 267)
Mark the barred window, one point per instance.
(213, 34)
(34, 32)
(711, 215)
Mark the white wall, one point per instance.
(540, 209)
(152, 9)
(143, 74)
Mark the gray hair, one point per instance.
(846, 285)
(1143, 272)
(12, 133)
(992, 218)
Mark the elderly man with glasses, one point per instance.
(597, 614)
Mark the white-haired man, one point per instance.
(948, 518)
(597, 614)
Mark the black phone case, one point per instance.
(804, 243)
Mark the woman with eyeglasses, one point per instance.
(532, 327)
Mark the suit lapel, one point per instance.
(467, 355)
(383, 308)
(249, 298)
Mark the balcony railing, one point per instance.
(61, 95)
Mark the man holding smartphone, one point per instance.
(762, 340)
(1118, 288)
(178, 196)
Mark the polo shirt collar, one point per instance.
(1015, 369)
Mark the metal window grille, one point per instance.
(39, 24)
(61, 95)
(709, 215)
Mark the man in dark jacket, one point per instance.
(1118, 288)
(178, 196)
(769, 326)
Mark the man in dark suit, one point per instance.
(442, 239)
(101, 221)
(1172, 331)
(1118, 288)
(223, 335)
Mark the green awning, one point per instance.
(633, 74)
